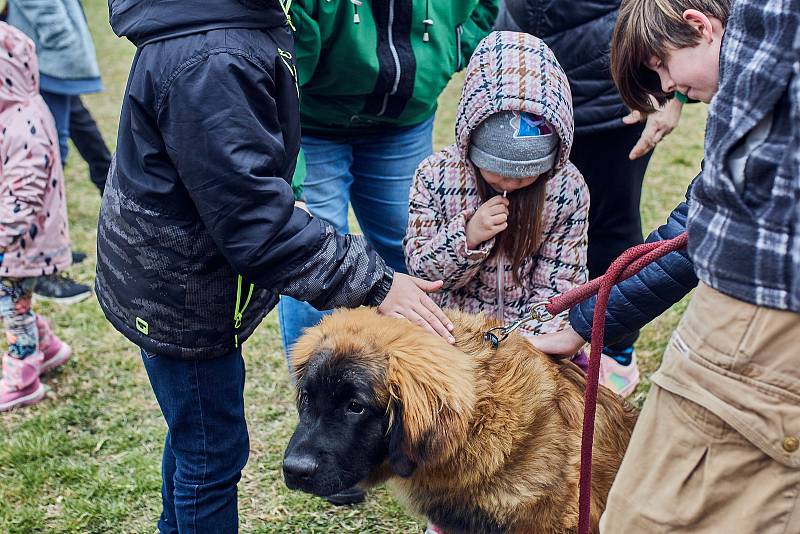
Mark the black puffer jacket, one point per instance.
(579, 33)
(638, 300)
(198, 232)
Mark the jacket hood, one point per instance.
(19, 80)
(512, 71)
(145, 21)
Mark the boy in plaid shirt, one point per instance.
(717, 446)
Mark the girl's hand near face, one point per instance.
(488, 220)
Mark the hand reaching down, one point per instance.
(407, 298)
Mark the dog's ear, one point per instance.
(432, 396)
(399, 460)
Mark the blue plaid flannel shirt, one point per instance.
(744, 218)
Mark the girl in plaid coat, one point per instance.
(501, 215)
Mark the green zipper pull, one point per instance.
(239, 313)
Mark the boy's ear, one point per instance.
(700, 22)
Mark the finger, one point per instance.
(428, 287)
(418, 320)
(632, 118)
(497, 200)
(435, 318)
(498, 210)
(438, 312)
(500, 218)
(642, 147)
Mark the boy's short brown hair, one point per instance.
(644, 29)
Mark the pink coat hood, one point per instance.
(34, 238)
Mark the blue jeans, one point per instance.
(207, 443)
(59, 106)
(374, 174)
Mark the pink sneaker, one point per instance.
(621, 379)
(55, 351)
(20, 384)
(433, 529)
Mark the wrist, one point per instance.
(379, 291)
(472, 244)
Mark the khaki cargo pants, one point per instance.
(717, 445)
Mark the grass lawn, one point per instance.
(87, 460)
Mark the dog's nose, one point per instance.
(299, 467)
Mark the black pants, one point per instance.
(615, 189)
(89, 141)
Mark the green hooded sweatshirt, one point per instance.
(383, 63)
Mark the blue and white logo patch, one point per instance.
(529, 125)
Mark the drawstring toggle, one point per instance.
(427, 23)
(356, 4)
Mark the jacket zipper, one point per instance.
(286, 5)
(500, 297)
(459, 59)
(239, 313)
(288, 61)
(396, 58)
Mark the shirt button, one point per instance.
(791, 444)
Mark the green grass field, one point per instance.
(87, 460)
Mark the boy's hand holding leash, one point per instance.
(489, 219)
(407, 298)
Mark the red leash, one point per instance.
(628, 264)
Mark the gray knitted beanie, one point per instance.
(514, 144)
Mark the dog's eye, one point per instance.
(355, 408)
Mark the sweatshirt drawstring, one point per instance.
(356, 4)
(427, 23)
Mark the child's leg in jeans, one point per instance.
(21, 364)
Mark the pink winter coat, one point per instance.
(34, 237)
(508, 72)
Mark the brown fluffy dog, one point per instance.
(476, 439)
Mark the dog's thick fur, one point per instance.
(476, 439)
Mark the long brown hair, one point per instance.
(522, 237)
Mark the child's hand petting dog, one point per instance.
(407, 298)
(564, 343)
(488, 220)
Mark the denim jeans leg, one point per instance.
(383, 169)
(60, 106)
(327, 193)
(168, 522)
(203, 405)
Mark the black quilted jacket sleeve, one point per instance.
(640, 299)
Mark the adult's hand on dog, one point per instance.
(489, 219)
(407, 298)
(657, 126)
(564, 343)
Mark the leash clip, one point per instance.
(538, 312)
